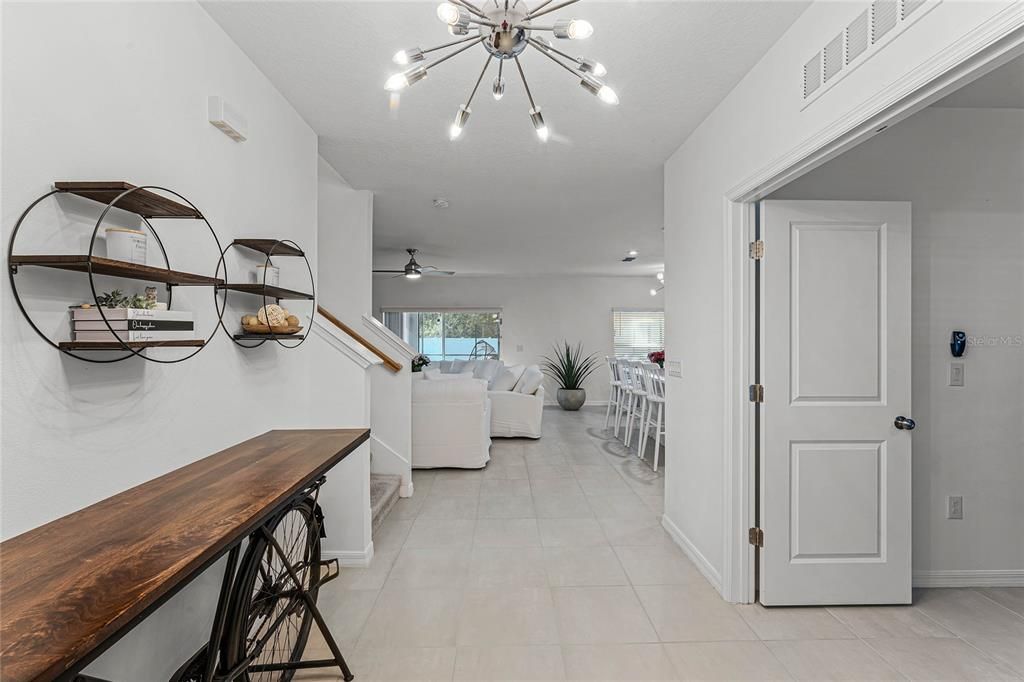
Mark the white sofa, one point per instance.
(451, 423)
(515, 413)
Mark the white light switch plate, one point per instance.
(956, 374)
(674, 368)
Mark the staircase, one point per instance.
(383, 495)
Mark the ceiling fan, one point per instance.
(414, 270)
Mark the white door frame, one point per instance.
(988, 47)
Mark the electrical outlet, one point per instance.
(955, 507)
(956, 374)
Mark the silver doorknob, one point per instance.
(904, 423)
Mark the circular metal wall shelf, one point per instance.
(270, 293)
(147, 204)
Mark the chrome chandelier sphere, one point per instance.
(505, 28)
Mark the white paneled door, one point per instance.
(835, 354)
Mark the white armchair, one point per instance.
(516, 415)
(451, 422)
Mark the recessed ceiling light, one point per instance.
(634, 253)
(441, 202)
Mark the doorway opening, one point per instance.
(959, 163)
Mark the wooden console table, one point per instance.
(71, 588)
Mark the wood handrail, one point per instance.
(388, 362)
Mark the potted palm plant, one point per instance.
(569, 368)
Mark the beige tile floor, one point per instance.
(551, 564)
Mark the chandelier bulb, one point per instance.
(498, 88)
(595, 87)
(538, 124)
(591, 66)
(572, 29)
(400, 81)
(448, 13)
(406, 57)
(461, 116)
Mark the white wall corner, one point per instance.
(970, 578)
(702, 563)
(394, 342)
(351, 559)
(344, 343)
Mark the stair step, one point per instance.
(383, 495)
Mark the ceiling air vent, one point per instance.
(884, 14)
(857, 37)
(833, 57)
(911, 5)
(812, 75)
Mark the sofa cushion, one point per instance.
(530, 381)
(431, 373)
(487, 369)
(448, 377)
(455, 367)
(505, 381)
(517, 371)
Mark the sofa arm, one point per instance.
(516, 414)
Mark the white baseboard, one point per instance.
(351, 558)
(405, 490)
(702, 563)
(1004, 578)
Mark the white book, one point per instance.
(186, 335)
(129, 314)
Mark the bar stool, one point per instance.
(637, 400)
(614, 389)
(625, 391)
(656, 401)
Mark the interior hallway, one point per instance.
(551, 564)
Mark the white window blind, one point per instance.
(637, 332)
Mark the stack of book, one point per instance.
(131, 324)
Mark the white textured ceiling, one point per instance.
(573, 205)
(1002, 88)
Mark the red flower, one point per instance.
(656, 356)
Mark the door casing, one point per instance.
(899, 100)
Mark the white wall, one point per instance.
(536, 311)
(759, 126)
(96, 91)
(346, 246)
(963, 170)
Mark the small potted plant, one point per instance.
(419, 362)
(569, 369)
(657, 357)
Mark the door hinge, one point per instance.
(757, 249)
(756, 393)
(756, 537)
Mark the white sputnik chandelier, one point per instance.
(505, 28)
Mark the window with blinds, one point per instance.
(636, 333)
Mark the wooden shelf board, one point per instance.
(269, 247)
(116, 268)
(143, 202)
(261, 337)
(114, 345)
(269, 291)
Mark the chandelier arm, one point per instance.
(554, 8)
(552, 48)
(452, 43)
(471, 7)
(452, 54)
(501, 63)
(543, 51)
(526, 85)
(478, 80)
(538, 7)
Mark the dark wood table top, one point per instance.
(70, 588)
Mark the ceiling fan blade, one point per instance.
(439, 273)
(389, 272)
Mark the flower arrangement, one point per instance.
(117, 299)
(419, 362)
(657, 356)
